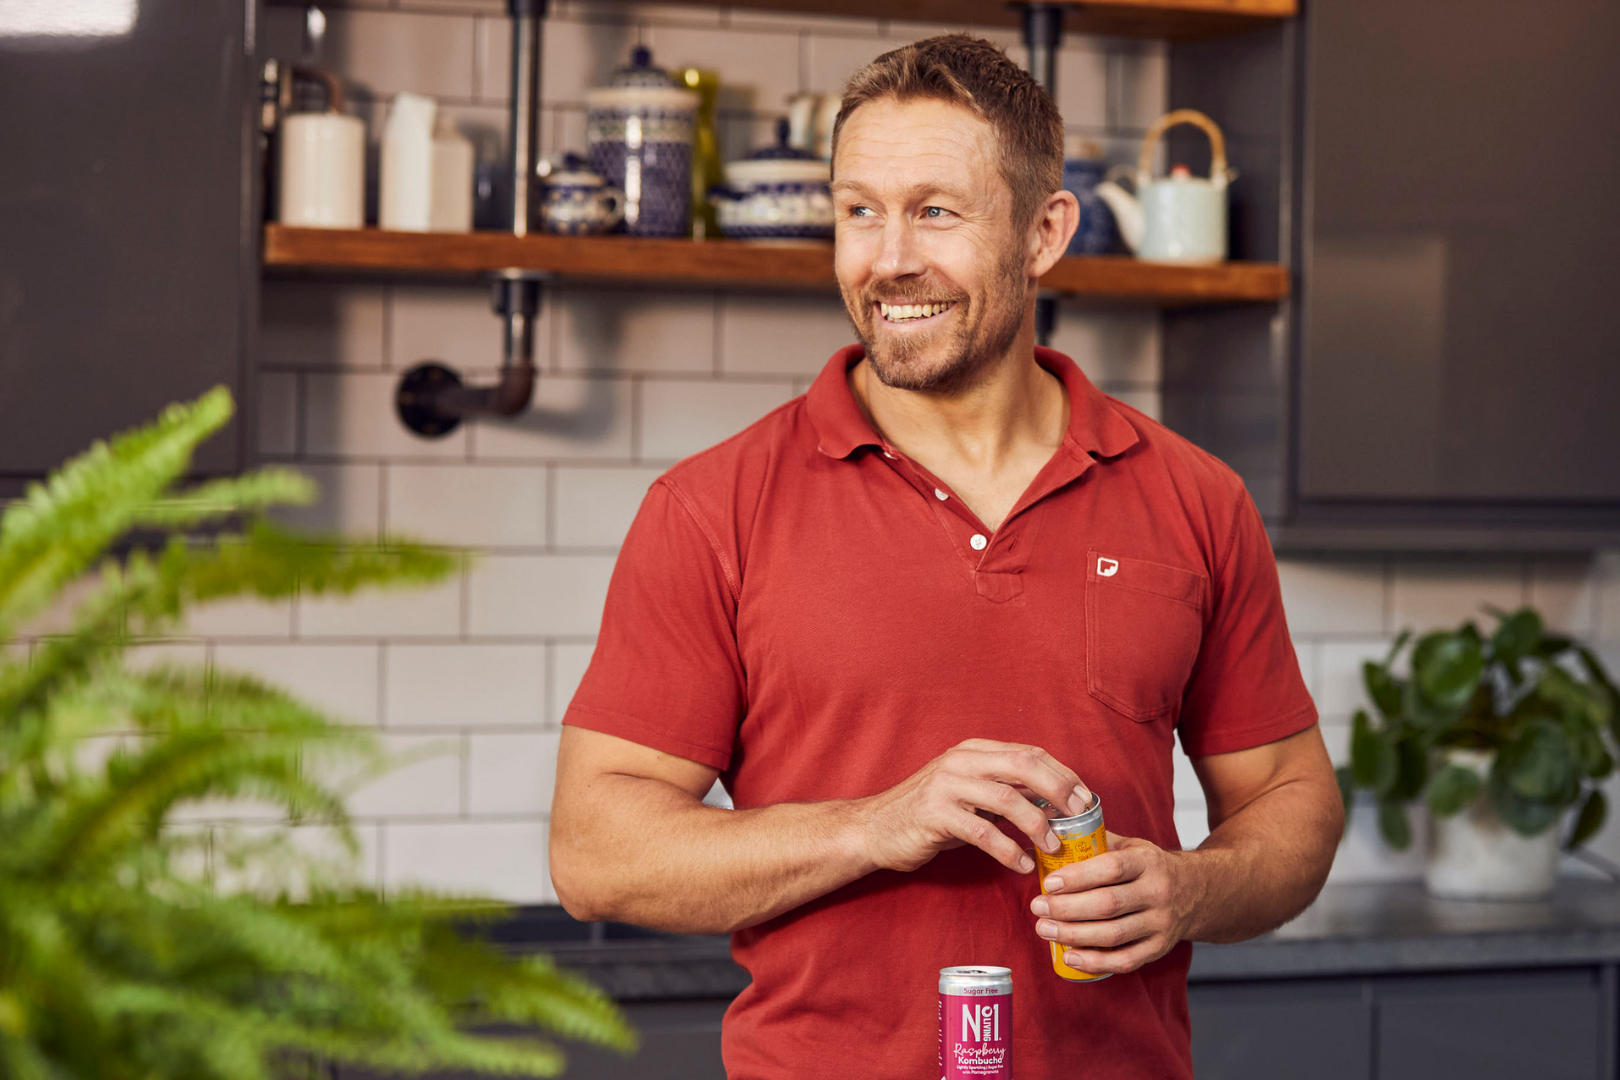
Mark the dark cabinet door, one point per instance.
(1275, 1031)
(1501, 1026)
(127, 221)
(1459, 331)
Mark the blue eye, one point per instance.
(859, 211)
(935, 211)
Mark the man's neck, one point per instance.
(988, 440)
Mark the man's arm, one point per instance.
(1275, 815)
(632, 841)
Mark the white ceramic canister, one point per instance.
(405, 190)
(321, 181)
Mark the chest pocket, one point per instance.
(1144, 625)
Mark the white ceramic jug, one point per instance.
(1178, 218)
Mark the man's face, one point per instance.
(924, 218)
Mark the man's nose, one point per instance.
(900, 254)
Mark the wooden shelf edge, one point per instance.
(721, 262)
(1170, 19)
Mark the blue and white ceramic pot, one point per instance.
(1096, 234)
(779, 193)
(640, 135)
(580, 203)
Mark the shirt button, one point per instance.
(888, 455)
(979, 542)
(940, 495)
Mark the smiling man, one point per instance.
(950, 578)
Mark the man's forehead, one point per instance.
(889, 120)
(888, 143)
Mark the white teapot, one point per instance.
(1179, 218)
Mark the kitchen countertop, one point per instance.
(1350, 930)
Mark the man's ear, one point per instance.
(1054, 225)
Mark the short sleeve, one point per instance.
(666, 671)
(1246, 688)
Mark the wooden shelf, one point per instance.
(1171, 19)
(719, 262)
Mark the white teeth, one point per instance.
(897, 312)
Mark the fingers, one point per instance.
(1117, 961)
(1113, 934)
(1003, 801)
(1101, 945)
(1113, 867)
(1096, 905)
(1022, 766)
(975, 830)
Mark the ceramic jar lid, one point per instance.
(779, 164)
(641, 84)
(572, 171)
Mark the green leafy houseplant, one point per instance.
(120, 954)
(1541, 703)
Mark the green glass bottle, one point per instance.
(706, 168)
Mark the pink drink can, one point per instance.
(975, 1023)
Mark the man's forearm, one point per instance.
(1263, 865)
(652, 855)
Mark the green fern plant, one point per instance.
(121, 958)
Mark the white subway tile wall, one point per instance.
(483, 667)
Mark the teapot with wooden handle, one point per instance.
(1177, 218)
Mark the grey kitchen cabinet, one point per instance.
(1551, 1024)
(129, 223)
(1318, 1028)
(1440, 179)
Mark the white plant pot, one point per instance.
(1473, 855)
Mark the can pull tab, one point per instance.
(1045, 804)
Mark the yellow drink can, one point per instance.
(1082, 836)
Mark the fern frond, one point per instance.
(59, 527)
(259, 490)
(145, 597)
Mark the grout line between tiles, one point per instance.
(383, 478)
(466, 775)
(466, 604)
(382, 684)
(550, 497)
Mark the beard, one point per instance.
(943, 361)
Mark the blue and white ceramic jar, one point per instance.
(1083, 170)
(577, 202)
(778, 193)
(639, 130)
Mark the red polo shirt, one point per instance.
(815, 615)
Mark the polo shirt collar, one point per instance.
(1095, 426)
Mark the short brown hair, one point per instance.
(976, 74)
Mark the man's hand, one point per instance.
(1119, 910)
(953, 800)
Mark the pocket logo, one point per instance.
(1107, 567)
